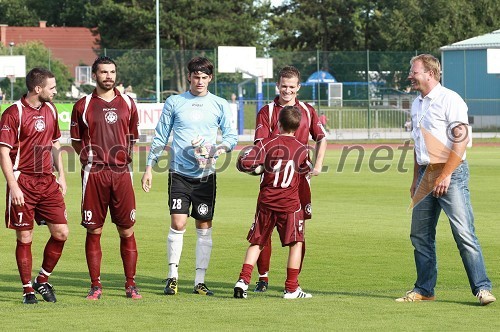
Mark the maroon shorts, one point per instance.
(305, 195)
(105, 188)
(43, 202)
(290, 227)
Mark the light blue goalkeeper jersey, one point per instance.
(190, 116)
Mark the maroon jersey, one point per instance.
(29, 133)
(284, 159)
(267, 122)
(107, 130)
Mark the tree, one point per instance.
(37, 55)
(186, 28)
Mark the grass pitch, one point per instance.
(359, 259)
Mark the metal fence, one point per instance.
(374, 91)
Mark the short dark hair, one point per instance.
(289, 72)
(200, 64)
(289, 118)
(102, 60)
(37, 77)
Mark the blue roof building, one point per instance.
(472, 68)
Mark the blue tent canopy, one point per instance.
(321, 77)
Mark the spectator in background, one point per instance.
(129, 91)
(233, 106)
(2, 96)
(324, 120)
(120, 88)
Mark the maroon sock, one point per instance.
(264, 261)
(292, 282)
(24, 265)
(51, 255)
(128, 250)
(93, 254)
(246, 273)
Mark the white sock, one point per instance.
(263, 275)
(175, 241)
(203, 252)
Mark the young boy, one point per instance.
(283, 159)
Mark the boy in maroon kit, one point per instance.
(103, 130)
(288, 85)
(283, 159)
(29, 148)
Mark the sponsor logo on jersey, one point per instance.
(196, 105)
(111, 117)
(132, 215)
(5, 127)
(202, 209)
(39, 125)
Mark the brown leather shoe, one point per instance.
(412, 296)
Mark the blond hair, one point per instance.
(430, 63)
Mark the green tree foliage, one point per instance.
(17, 13)
(37, 55)
(380, 25)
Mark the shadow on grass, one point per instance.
(76, 284)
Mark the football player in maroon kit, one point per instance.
(267, 126)
(104, 127)
(29, 148)
(283, 159)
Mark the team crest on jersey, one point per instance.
(5, 127)
(39, 125)
(202, 209)
(111, 117)
(132, 215)
(308, 209)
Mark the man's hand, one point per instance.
(147, 179)
(441, 186)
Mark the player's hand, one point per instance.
(17, 196)
(441, 186)
(315, 172)
(147, 180)
(62, 185)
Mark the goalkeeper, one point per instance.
(195, 118)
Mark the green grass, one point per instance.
(359, 258)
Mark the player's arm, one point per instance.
(16, 194)
(454, 159)
(250, 158)
(58, 164)
(229, 134)
(75, 128)
(160, 141)
(320, 150)
(262, 125)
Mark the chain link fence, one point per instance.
(369, 92)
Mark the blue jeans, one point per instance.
(456, 204)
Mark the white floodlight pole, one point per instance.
(158, 51)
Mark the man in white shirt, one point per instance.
(440, 182)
